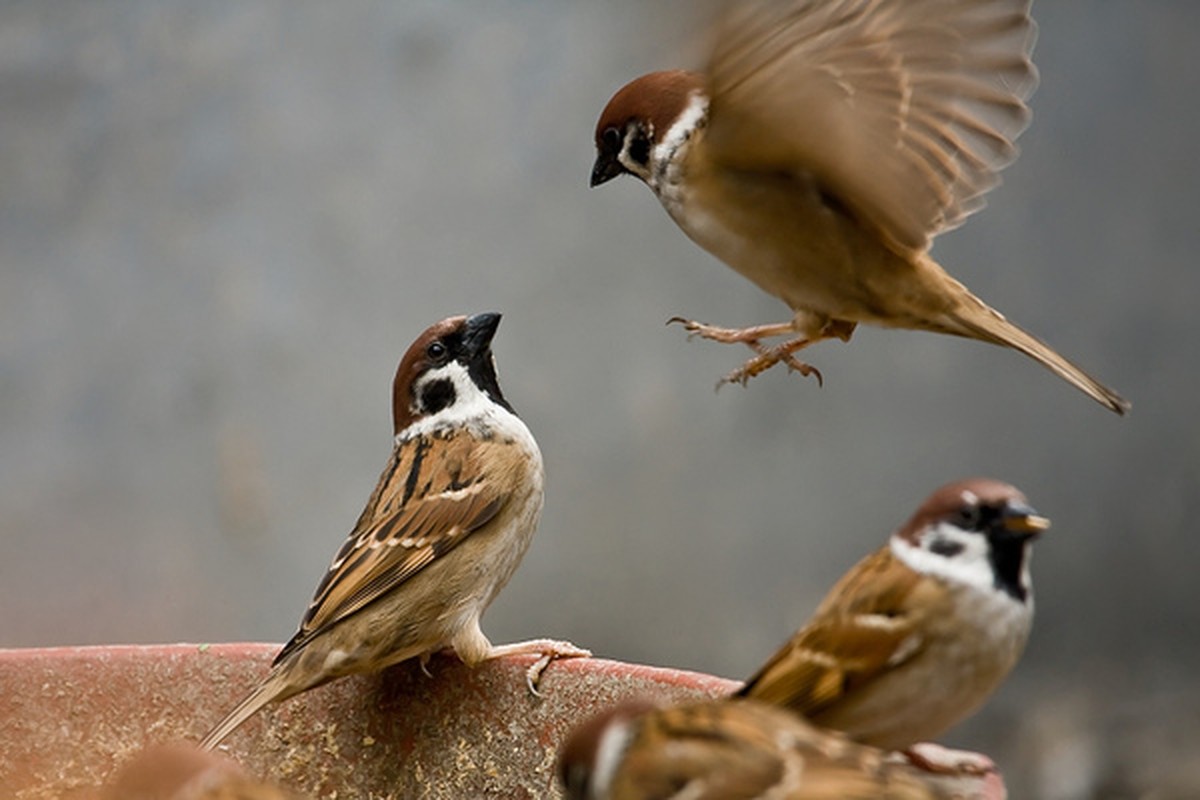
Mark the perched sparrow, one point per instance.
(823, 148)
(446, 526)
(917, 635)
(737, 749)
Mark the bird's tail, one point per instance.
(274, 687)
(977, 320)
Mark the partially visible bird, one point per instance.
(182, 772)
(450, 518)
(822, 149)
(917, 635)
(726, 749)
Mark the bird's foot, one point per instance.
(767, 356)
(547, 649)
(770, 356)
(749, 336)
(940, 760)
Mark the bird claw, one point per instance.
(692, 327)
(555, 651)
(547, 650)
(770, 356)
(533, 675)
(752, 337)
(748, 336)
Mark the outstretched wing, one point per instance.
(904, 110)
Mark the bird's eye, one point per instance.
(611, 139)
(436, 350)
(970, 518)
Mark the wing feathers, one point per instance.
(868, 624)
(429, 500)
(904, 109)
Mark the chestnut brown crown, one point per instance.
(637, 117)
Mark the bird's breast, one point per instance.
(787, 236)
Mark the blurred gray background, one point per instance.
(221, 224)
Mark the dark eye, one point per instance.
(611, 139)
(970, 518)
(436, 350)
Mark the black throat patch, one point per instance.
(1006, 552)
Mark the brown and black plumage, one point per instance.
(822, 149)
(918, 634)
(449, 520)
(734, 749)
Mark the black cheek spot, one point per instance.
(639, 150)
(437, 395)
(945, 547)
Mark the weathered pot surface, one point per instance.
(71, 716)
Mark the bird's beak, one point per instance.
(478, 332)
(606, 168)
(1022, 519)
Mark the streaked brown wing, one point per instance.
(702, 748)
(436, 490)
(904, 110)
(867, 624)
(721, 750)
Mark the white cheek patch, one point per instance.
(662, 160)
(471, 406)
(469, 400)
(970, 566)
(684, 127)
(609, 751)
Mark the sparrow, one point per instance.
(822, 149)
(182, 772)
(917, 635)
(449, 520)
(735, 749)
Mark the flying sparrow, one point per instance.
(917, 635)
(736, 748)
(448, 522)
(823, 148)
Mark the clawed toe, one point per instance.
(770, 356)
(554, 651)
(766, 357)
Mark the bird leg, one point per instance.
(547, 649)
(767, 356)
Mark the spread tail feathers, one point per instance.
(977, 320)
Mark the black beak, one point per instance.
(478, 332)
(606, 168)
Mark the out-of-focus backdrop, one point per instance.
(221, 224)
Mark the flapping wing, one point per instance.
(903, 109)
(869, 623)
(434, 493)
